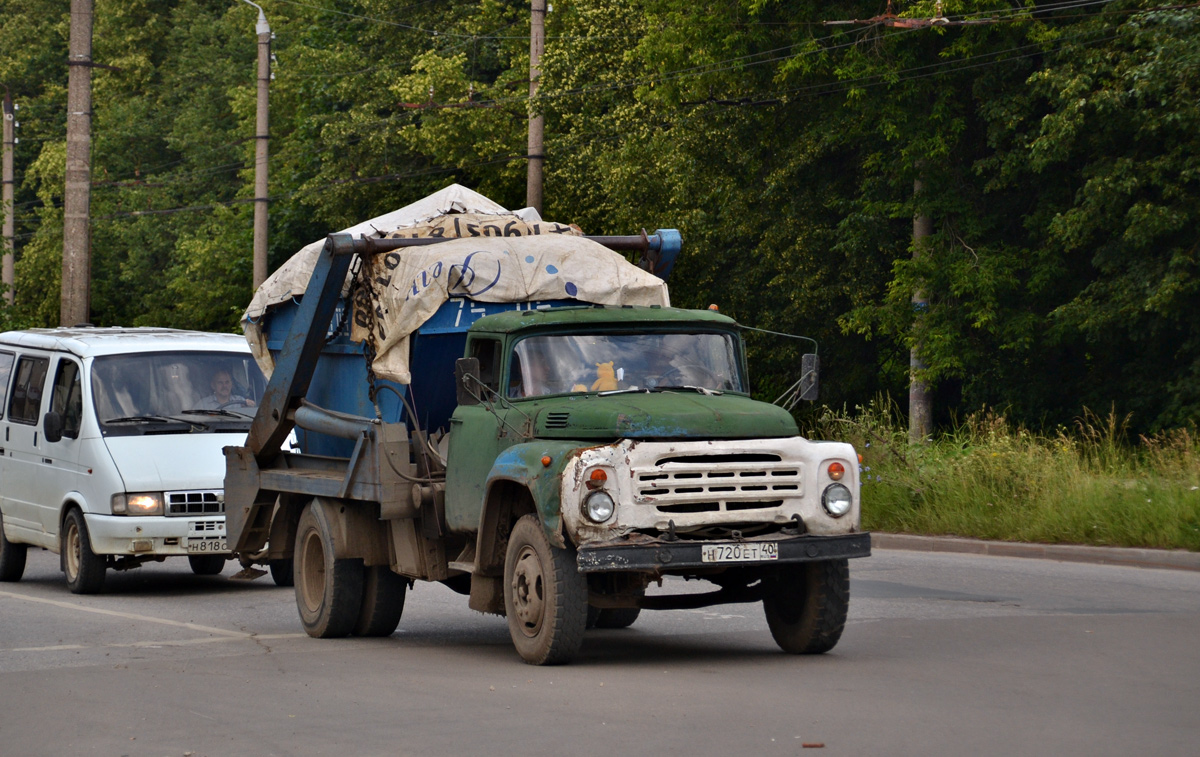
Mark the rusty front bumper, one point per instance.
(658, 555)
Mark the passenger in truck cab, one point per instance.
(222, 393)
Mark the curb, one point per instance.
(1176, 559)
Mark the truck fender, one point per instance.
(521, 467)
(281, 541)
(356, 530)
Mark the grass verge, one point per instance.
(989, 479)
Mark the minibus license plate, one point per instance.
(748, 552)
(207, 545)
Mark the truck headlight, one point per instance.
(140, 503)
(598, 506)
(837, 500)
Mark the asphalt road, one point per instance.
(943, 654)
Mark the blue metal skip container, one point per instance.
(340, 381)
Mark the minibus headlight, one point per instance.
(142, 503)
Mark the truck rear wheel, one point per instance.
(617, 617)
(382, 602)
(283, 571)
(545, 596)
(84, 568)
(328, 592)
(806, 605)
(12, 557)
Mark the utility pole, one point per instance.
(75, 306)
(7, 200)
(537, 124)
(920, 404)
(261, 137)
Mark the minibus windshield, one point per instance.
(175, 392)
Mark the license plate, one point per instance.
(750, 552)
(214, 544)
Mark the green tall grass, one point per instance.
(989, 479)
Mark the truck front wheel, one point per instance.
(328, 592)
(806, 605)
(545, 596)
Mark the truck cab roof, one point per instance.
(599, 315)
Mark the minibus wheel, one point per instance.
(84, 568)
(12, 557)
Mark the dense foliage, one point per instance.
(1054, 147)
(987, 478)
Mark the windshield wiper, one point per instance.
(144, 419)
(621, 391)
(700, 389)
(192, 425)
(214, 411)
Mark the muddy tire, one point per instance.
(283, 571)
(806, 605)
(12, 557)
(545, 596)
(84, 568)
(382, 602)
(207, 565)
(328, 591)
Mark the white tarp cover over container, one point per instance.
(500, 257)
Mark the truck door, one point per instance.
(23, 461)
(62, 456)
(475, 441)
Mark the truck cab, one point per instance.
(632, 433)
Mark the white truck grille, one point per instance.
(717, 483)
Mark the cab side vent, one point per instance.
(557, 420)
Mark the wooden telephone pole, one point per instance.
(7, 199)
(75, 306)
(537, 159)
(262, 135)
(920, 402)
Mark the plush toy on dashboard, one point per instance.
(606, 378)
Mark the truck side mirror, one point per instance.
(467, 384)
(52, 426)
(810, 369)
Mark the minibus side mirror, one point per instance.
(52, 426)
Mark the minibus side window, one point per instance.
(6, 364)
(27, 390)
(67, 399)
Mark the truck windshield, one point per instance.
(174, 391)
(557, 364)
